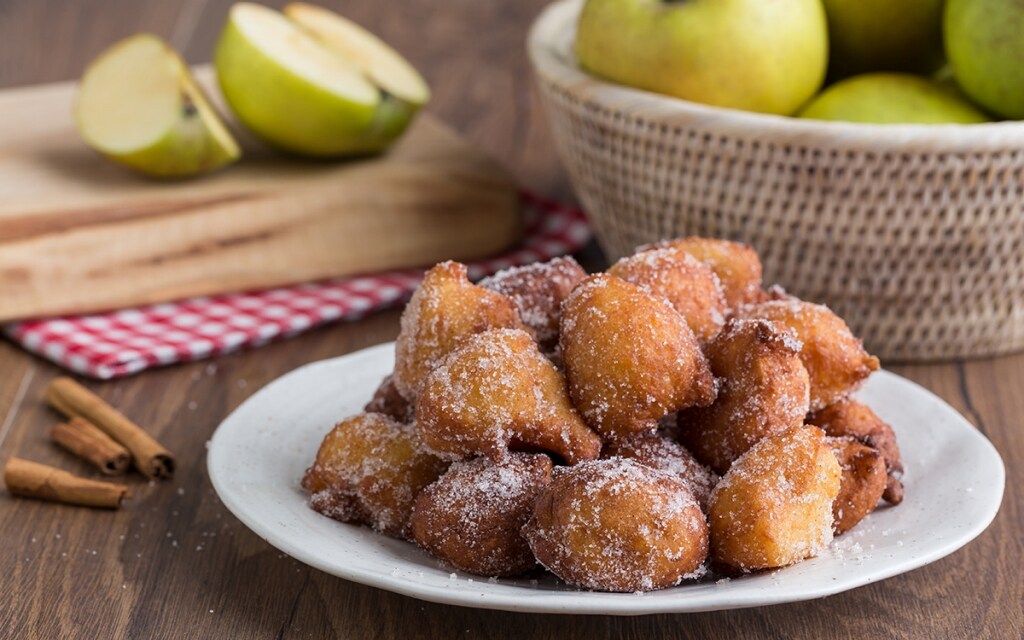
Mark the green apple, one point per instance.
(317, 85)
(985, 45)
(893, 98)
(139, 106)
(743, 54)
(884, 35)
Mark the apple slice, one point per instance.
(139, 106)
(296, 91)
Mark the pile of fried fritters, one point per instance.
(626, 430)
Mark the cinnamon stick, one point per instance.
(72, 399)
(34, 480)
(87, 441)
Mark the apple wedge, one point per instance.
(139, 106)
(315, 84)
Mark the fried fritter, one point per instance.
(618, 525)
(763, 388)
(497, 391)
(537, 290)
(774, 506)
(369, 470)
(387, 400)
(473, 516)
(444, 310)
(659, 452)
(630, 358)
(862, 484)
(835, 359)
(849, 417)
(736, 264)
(689, 285)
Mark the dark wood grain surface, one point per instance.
(175, 563)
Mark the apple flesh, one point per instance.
(139, 106)
(893, 98)
(753, 55)
(985, 45)
(307, 97)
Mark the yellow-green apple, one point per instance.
(893, 98)
(314, 83)
(985, 44)
(744, 54)
(139, 106)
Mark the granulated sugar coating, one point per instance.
(369, 470)
(473, 516)
(664, 454)
(737, 265)
(763, 389)
(835, 360)
(774, 506)
(537, 290)
(444, 309)
(618, 525)
(629, 357)
(862, 483)
(689, 285)
(495, 392)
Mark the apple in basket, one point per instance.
(754, 55)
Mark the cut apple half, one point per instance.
(293, 89)
(381, 64)
(139, 106)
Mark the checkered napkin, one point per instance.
(120, 343)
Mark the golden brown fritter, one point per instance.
(629, 357)
(689, 285)
(774, 507)
(849, 417)
(762, 389)
(736, 264)
(665, 454)
(387, 400)
(862, 484)
(497, 391)
(618, 525)
(473, 516)
(444, 310)
(369, 470)
(835, 359)
(537, 290)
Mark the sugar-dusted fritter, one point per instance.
(443, 311)
(618, 525)
(688, 284)
(862, 483)
(849, 417)
(835, 359)
(473, 516)
(774, 506)
(497, 391)
(763, 388)
(629, 357)
(538, 290)
(369, 470)
(736, 264)
(387, 400)
(665, 454)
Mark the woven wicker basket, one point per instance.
(914, 234)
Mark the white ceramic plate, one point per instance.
(954, 485)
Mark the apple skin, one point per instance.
(893, 98)
(985, 45)
(755, 55)
(884, 35)
(296, 115)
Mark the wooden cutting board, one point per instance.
(78, 233)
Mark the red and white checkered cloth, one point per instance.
(121, 343)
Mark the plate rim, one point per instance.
(582, 601)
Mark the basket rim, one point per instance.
(550, 48)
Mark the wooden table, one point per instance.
(175, 563)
